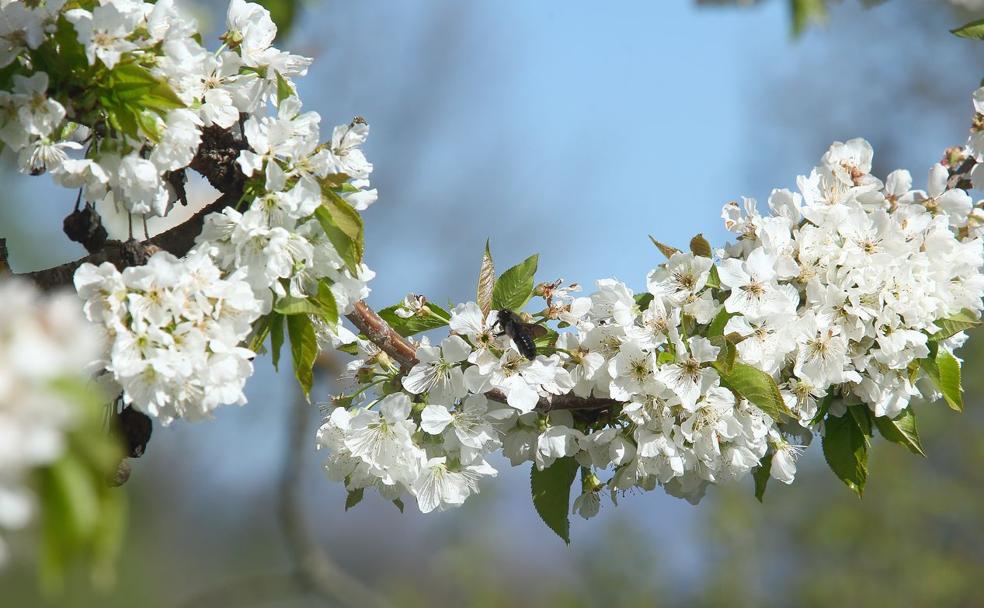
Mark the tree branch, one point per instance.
(315, 570)
(379, 332)
(215, 160)
(178, 240)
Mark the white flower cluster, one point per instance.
(281, 245)
(835, 293)
(843, 283)
(43, 340)
(176, 325)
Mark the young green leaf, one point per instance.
(551, 490)
(944, 370)
(716, 328)
(353, 498)
(292, 305)
(700, 246)
(949, 384)
(756, 386)
(515, 287)
(643, 300)
(845, 447)
(901, 430)
(284, 90)
(973, 30)
(303, 349)
(343, 225)
(486, 281)
(276, 338)
(761, 475)
(326, 302)
(666, 250)
(962, 321)
(416, 323)
(713, 278)
(805, 12)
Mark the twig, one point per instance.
(379, 332)
(245, 591)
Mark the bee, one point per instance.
(522, 333)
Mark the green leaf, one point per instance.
(862, 417)
(284, 90)
(80, 515)
(845, 447)
(486, 281)
(68, 480)
(551, 490)
(303, 349)
(515, 287)
(716, 328)
(326, 302)
(290, 305)
(322, 305)
(962, 321)
(699, 246)
(726, 356)
(354, 497)
(122, 118)
(261, 328)
(761, 475)
(944, 370)
(823, 408)
(973, 30)
(283, 13)
(756, 386)
(643, 300)
(666, 250)
(713, 278)
(276, 338)
(949, 383)
(110, 532)
(416, 323)
(901, 430)
(149, 124)
(343, 225)
(399, 504)
(805, 12)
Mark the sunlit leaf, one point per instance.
(551, 490)
(845, 447)
(901, 430)
(515, 287)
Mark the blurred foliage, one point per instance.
(82, 518)
(806, 13)
(283, 13)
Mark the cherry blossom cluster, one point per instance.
(872, 265)
(112, 98)
(834, 294)
(44, 341)
(174, 327)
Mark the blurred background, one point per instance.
(574, 130)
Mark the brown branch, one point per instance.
(178, 240)
(216, 161)
(379, 332)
